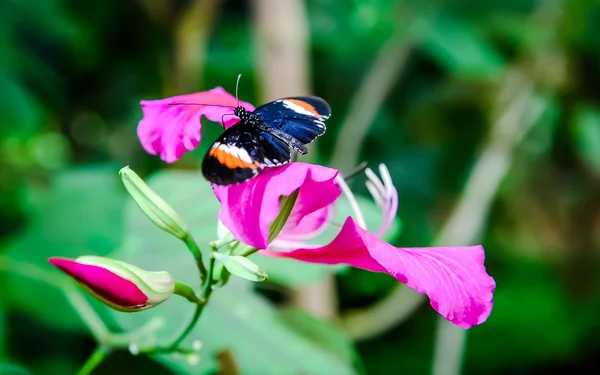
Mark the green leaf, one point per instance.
(460, 49)
(12, 369)
(530, 293)
(19, 111)
(586, 135)
(79, 214)
(242, 267)
(3, 333)
(322, 334)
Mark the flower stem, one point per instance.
(287, 205)
(94, 360)
(195, 250)
(187, 292)
(204, 295)
(449, 348)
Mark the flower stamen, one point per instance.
(360, 220)
(384, 194)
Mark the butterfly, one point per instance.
(265, 137)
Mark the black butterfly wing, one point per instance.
(240, 153)
(302, 117)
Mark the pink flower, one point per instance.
(172, 130)
(454, 278)
(247, 209)
(117, 284)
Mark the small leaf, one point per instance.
(460, 49)
(12, 369)
(586, 134)
(241, 266)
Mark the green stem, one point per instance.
(195, 250)
(449, 348)
(87, 313)
(247, 250)
(187, 329)
(204, 295)
(287, 204)
(187, 292)
(95, 359)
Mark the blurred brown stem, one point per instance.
(190, 34)
(281, 48)
(159, 10)
(282, 51)
(366, 103)
(227, 365)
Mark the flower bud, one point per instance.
(117, 284)
(241, 266)
(152, 205)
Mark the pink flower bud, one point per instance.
(117, 284)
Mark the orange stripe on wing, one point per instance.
(305, 105)
(231, 161)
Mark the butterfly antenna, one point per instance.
(223, 121)
(237, 85)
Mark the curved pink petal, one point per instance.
(247, 209)
(454, 278)
(293, 235)
(107, 285)
(308, 226)
(172, 130)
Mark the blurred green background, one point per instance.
(486, 112)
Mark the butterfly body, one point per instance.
(265, 138)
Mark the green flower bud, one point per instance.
(241, 266)
(152, 205)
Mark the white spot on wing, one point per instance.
(298, 109)
(243, 154)
(237, 152)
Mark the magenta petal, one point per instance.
(454, 278)
(307, 226)
(104, 283)
(247, 209)
(172, 130)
